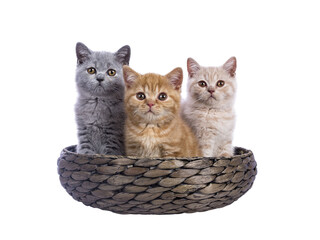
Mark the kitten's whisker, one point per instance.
(197, 100)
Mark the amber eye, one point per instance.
(202, 83)
(111, 72)
(91, 70)
(162, 96)
(140, 96)
(220, 83)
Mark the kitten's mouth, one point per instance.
(150, 113)
(99, 87)
(212, 97)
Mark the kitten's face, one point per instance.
(152, 98)
(99, 74)
(212, 86)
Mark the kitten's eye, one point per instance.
(202, 83)
(162, 96)
(140, 96)
(91, 70)
(220, 83)
(111, 72)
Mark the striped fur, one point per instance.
(99, 109)
(160, 133)
(209, 110)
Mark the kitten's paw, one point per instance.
(225, 154)
(112, 151)
(86, 151)
(207, 153)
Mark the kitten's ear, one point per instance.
(129, 76)
(123, 55)
(192, 66)
(83, 52)
(175, 78)
(230, 66)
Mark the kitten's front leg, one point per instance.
(207, 147)
(85, 146)
(114, 148)
(133, 148)
(225, 150)
(84, 150)
(207, 152)
(206, 141)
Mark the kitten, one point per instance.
(208, 109)
(99, 110)
(154, 127)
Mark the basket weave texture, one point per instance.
(133, 185)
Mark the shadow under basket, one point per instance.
(133, 185)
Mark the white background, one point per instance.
(277, 47)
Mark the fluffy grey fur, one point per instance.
(100, 109)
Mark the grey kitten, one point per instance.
(100, 109)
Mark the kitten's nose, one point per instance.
(150, 104)
(100, 77)
(211, 90)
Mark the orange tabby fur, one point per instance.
(160, 133)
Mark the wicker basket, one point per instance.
(133, 185)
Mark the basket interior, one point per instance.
(238, 151)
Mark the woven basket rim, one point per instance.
(244, 153)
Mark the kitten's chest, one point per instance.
(150, 137)
(221, 122)
(151, 141)
(97, 111)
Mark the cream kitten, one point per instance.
(208, 108)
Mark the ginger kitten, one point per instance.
(208, 109)
(153, 126)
